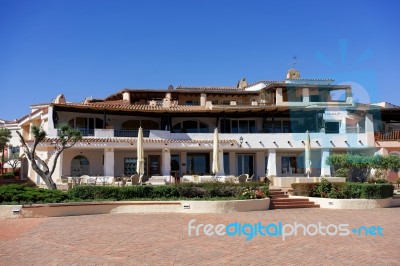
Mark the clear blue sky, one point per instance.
(96, 47)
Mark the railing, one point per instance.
(388, 135)
(84, 132)
(130, 133)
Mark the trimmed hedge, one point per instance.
(344, 190)
(25, 194)
(185, 190)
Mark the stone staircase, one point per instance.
(280, 200)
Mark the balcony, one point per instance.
(388, 135)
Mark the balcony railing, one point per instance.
(130, 133)
(84, 132)
(388, 135)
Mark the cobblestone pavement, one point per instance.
(162, 239)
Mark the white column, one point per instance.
(279, 97)
(260, 164)
(306, 95)
(109, 162)
(166, 163)
(349, 96)
(369, 130)
(59, 168)
(325, 169)
(271, 162)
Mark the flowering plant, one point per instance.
(253, 194)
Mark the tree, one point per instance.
(67, 137)
(5, 136)
(357, 166)
(390, 162)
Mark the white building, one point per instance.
(262, 129)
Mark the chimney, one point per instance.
(126, 96)
(203, 99)
(293, 74)
(242, 84)
(167, 100)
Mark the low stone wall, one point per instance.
(87, 208)
(225, 206)
(328, 203)
(10, 211)
(284, 182)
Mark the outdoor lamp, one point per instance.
(240, 141)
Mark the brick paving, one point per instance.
(162, 239)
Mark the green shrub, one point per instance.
(23, 194)
(342, 172)
(344, 190)
(168, 191)
(94, 192)
(338, 191)
(192, 192)
(304, 189)
(373, 180)
(322, 189)
(354, 190)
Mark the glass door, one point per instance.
(245, 164)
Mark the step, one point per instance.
(277, 193)
(279, 197)
(288, 200)
(290, 206)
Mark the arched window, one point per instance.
(190, 126)
(80, 166)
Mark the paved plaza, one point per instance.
(162, 239)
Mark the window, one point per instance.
(80, 166)
(135, 124)
(275, 127)
(86, 124)
(226, 164)
(198, 163)
(130, 166)
(332, 127)
(292, 165)
(190, 126)
(314, 98)
(243, 126)
(192, 103)
(175, 162)
(245, 164)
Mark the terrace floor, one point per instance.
(162, 239)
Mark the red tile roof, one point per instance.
(134, 107)
(145, 140)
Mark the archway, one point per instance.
(80, 166)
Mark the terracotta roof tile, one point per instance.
(145, 140)
(135, 107)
